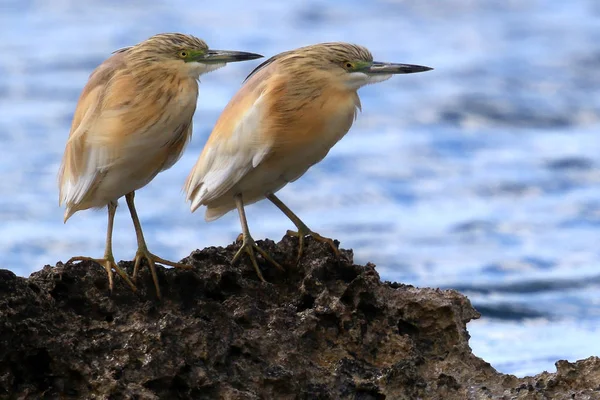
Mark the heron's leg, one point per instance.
(108, 261)
(303, 230)
(142, 251)
(248, 244)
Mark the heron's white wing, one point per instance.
(77, 172)
(233, 149)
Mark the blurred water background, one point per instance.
(482, 175)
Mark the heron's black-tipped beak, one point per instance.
(393, 68)
(226, 56)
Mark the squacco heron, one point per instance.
(289, 113)
(133, 120)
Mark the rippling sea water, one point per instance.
(482, 175)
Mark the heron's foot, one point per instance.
(302, 233)
(248, 246)
(143, 254)
(109, 264)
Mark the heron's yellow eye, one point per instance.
(348, 65)
(183, 54)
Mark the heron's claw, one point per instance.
(302, 233)
(249, 245)
(109, 264)
(151, 259)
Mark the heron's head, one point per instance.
(348, 64)
(184, 52)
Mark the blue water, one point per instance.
(482, 175)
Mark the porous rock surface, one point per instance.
(323, 329)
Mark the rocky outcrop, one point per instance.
(323, 329)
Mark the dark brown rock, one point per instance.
(324, 329)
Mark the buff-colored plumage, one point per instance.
(133, 120)
(287, 116)
(127, 128)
